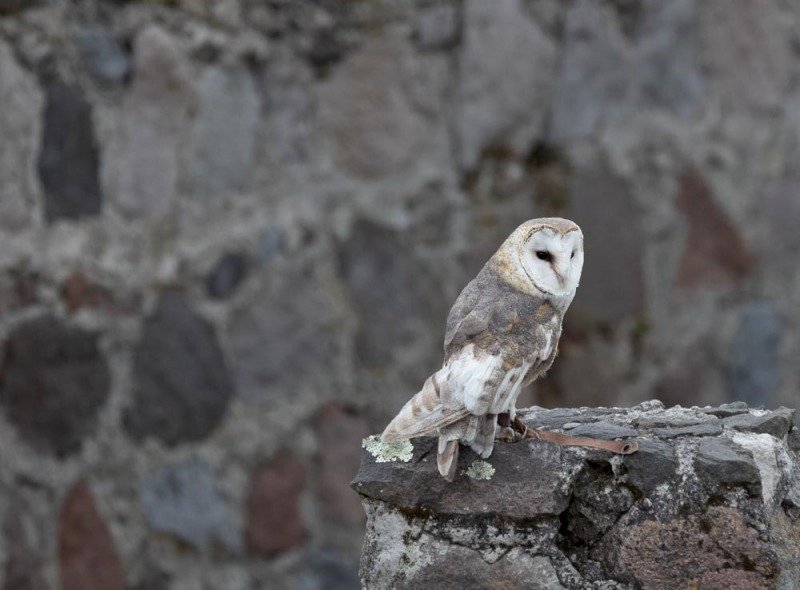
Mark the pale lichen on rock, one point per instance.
(479, 469)
(385, 452)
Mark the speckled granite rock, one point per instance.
(711, 490)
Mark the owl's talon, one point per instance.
(506, 435)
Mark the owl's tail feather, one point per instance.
(423, 414)
(447, 458)
(483, 441)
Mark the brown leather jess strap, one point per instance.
(620, 447)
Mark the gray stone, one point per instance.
(667, 62)
(612, 287)
(288, 90)
(597, 503)
(69, 156)
(594, 75)
(776, 423)
(226, 276)
(104, 57)
(780, 208)
(703, 429)
(725, 410)
(754, 371)
(53, 382)
(141, 161)
(553, 419)
(406, 552)
(584, 374)
(19, 127)
(746, 46)
(508, 66)
(458, 569)
(437, 26)
(670, 420)
(722, 462)
(323, 571)
(223, 135)
(793, 440)
(181, 387)
(293, 326)
(603, 430)
(417, 486)
(182, 500)
(392, 291)
(376, 108)
(653, 465)
(23, 567)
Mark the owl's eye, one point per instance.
(542, 255)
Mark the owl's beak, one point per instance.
(561, 273)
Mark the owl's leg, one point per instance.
(511, 428)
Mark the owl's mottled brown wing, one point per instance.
(501, 321)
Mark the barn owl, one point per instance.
(502, 333)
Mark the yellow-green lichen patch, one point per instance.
(479, 470)
(384, 452)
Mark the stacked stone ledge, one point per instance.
(711, 500)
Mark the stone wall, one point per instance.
(230, 232)
(710, 500)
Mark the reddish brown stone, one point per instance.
(274, 522)
(78, 291)
(339, 436)
(715, 253)
(87, 558)
(22, 568)
(717, 552)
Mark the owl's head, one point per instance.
(550, 251)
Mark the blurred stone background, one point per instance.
(231, 232)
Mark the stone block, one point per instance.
(103, 55)
(378, 106)
(612, 283)
(69, 157)
(20, 124)
(747, 48)
(182, 501)
(594, 75)
(181, 386)
(222, 138)
(142, 157)
(715, 253)
(391, 289)
(571, 517)
(754, 370)
(292, 326)
(274, 521)
(226, 276)
(86, 554)
(53, 382)
(507, 66)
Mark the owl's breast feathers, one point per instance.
(502, 321)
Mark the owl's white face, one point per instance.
(553, 260)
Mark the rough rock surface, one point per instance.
(718, 504)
